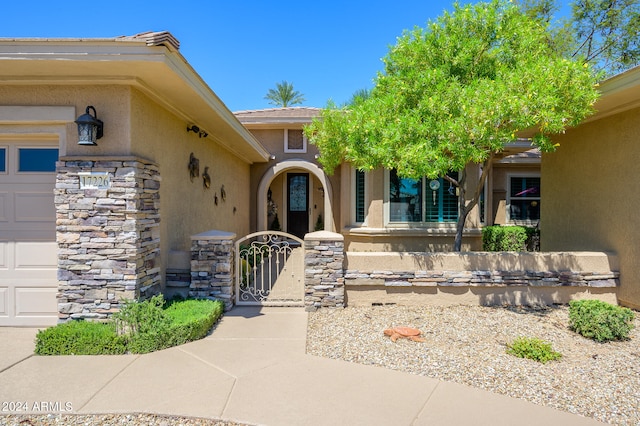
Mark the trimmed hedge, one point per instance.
(510, 238)
(139, 327)
(80, 338)
(600, 321)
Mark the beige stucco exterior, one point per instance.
(335, 193)
(147, 95)
(591, 197)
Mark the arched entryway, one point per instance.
(298, 193)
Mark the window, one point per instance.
(37, 159)
(3, 160)
(294, 141)
(359, 186)
(422, 200)
(524, 198)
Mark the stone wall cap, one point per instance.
(94, 157)
(214, 235)
(324, 236)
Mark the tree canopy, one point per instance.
(456, 92)
(284, 95)
(605, 33)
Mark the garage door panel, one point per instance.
(35, 301)
(4, 302)
(36, 255)
(4, 261)
(34, 207)
(4, 206)
(28, 250)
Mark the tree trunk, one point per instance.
(463, 207)
(463, 212)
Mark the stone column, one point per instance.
(108, 234)
(324, 270)
(211, 266)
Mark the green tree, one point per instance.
(284, 95)
(358, 96)
(605, 33)
(455, 93)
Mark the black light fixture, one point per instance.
(89, 127)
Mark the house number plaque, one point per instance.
(94, 180)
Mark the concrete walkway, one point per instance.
(252, 369)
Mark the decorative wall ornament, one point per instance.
(195, 129)
(206, 179)
(194, 167)
(223, 193)
(215, 198)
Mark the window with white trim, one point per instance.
(524, 199)
(295, 141)
(421, 200)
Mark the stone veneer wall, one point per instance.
(211, 266)
(324, 276)
(481, 278)
(108, 239)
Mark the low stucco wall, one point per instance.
(479, 278)
(558, 261)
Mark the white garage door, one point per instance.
(28, 251)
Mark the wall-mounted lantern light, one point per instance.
(89, 127)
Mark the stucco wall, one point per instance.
(591, 197)
(273, 141)
(187, 207)
(111, 103)
(500, 186)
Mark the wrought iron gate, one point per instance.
(269, 269)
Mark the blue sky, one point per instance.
(328, 50)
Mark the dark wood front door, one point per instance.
(298, 204)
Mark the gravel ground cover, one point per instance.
(467, 344)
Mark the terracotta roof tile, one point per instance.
(155, 38)
(278, 114)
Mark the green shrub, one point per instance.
(532, 348)
(599, 320)
(504, 238)
(141, 317)
(192, 319)
(143, 327)
(80, 338)
(154, 328)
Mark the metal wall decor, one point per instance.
(215, 198)
(206, 179)
(194, 167)
(223, 193)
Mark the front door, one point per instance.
(298, 204)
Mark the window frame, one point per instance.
(424, 191)
(354, 200)
(524, 222)
(18, 158)
(4, 168)
(303, 150)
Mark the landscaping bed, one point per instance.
(139, 327)
(468, 345)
